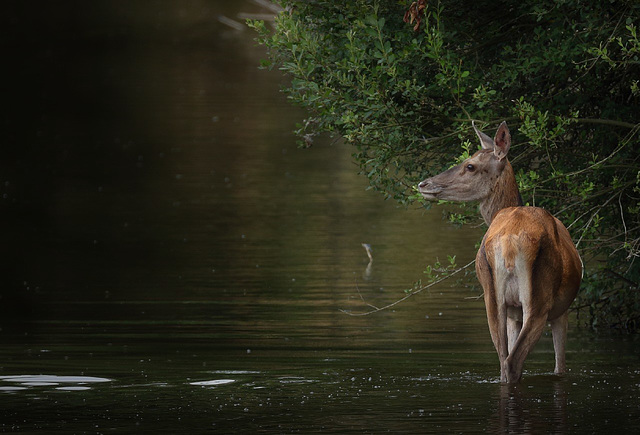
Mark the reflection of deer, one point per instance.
(527, 264)
(519, 410)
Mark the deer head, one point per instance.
(475, 178)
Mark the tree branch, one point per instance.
(612, 122)
(375, 310)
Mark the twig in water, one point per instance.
(375, 309)
(361, 297)
(475, 297)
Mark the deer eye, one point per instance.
(471, 168)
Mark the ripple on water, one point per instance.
(64, 383)
(10, 389)
(72, 388)
(296, 380)
(213, 382)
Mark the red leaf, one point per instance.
(415, 13)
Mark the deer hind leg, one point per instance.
(496, 309)
(514, 326)
(559, 331)
(497, 319)
(532, 327)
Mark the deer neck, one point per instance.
(503, 194)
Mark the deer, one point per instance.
(527, 264)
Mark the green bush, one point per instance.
(564, 74)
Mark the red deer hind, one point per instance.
(527, 264)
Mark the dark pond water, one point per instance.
(172, 262)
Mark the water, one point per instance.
(173, 262)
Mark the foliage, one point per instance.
(564, 74)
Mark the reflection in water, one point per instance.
(367, 272)
(521, 410)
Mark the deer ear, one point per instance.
(485, 140)
(502, 141)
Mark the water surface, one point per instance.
(172, 261)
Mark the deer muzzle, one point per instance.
(429, 189)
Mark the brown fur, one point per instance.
(527, 263)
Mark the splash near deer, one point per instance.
(527, 264)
